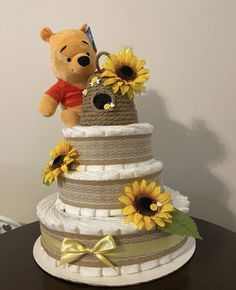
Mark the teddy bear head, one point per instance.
(72, 54)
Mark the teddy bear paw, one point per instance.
(47, 106)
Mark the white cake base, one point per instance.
(121, 280)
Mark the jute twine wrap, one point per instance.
(97, 194)
(90, 240)
(99, 54)
(112, 150)
(123, 113)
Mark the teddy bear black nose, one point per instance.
(84, 60)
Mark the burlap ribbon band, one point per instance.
(108, 251)
(98, 194)
(112, 149)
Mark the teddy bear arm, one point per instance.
(71, 116)
(47, 105)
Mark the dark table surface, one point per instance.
(213, 265)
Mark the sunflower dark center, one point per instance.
(143, 203)
(57, 162)
(126, 72)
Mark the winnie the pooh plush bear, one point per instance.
(73, 56)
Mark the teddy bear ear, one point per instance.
(46, 34)
(84, 27)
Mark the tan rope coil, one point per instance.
(98, 57)
(123, 113)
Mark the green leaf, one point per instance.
(182, 225)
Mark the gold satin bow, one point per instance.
(72, 250)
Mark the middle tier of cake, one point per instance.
(109, 158)
(97, 192)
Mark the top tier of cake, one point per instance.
(110, 145)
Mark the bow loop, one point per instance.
(104, 245)
(72, 250)
(69, 245)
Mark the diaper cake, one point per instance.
(112, 222)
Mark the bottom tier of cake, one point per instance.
(123, 277)
(71, 247)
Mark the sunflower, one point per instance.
(63, 154)
(146, 206)
(125, 72)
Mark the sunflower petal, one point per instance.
(167, 208)
(124, 89)
(109, 65)
(64, 168)
(156, 191)
(115, 88)
(149, 224)
(163, 197)
(135, 186)
(67, 159)
(129, 56)
(137, 217)
(73, 151)
(168, 221)
(129, 219)
(50, 179)
(108, 73)
(140, 64)
(143, 186)
(142, 71)
(110, 81)
(159, 222)
(130, 93)
(132, 63)
(56, 172)
(114, 59)
(129, 209)
(128, 190)
(53, 154)
(131, 196)
(164, 215)
(139, 88)
(141, 79)
(140, 225)
(151, 187)
(125, 199)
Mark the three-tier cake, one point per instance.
(112, 222)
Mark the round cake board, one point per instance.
(121, 280)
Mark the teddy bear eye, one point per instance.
(69, 59)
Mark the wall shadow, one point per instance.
(187, 154)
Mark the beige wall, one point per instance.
(190, 49)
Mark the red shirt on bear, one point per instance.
(66, 94)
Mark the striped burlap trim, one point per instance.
(100, 194)
(77, 163)
(104, 138)
(112, 149)
(92, 261)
